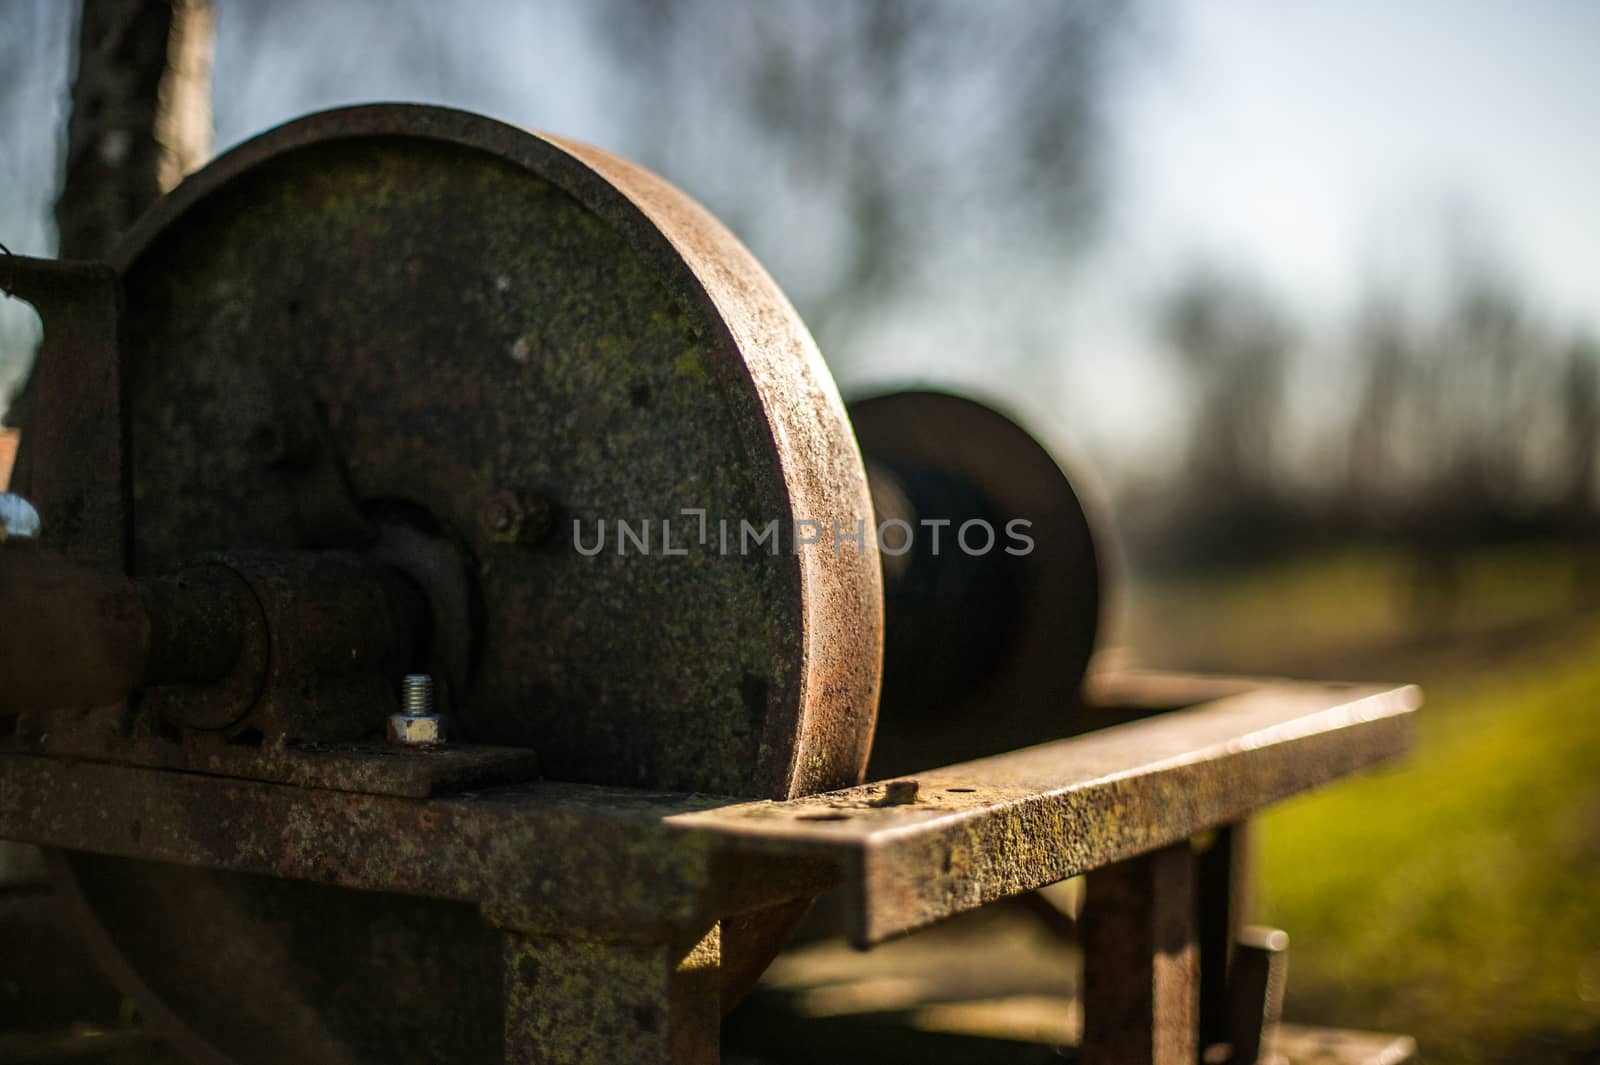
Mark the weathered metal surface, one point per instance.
(371, 767)
(1011, 823)
(430, 312)
(406, 317)
(341, 629)
(1256, 985)
(71, 466)
(977, 832)
(47, 979)
(230, 969)
(1224, 899)
(968, 634)
(300, 646)
(573, 1000)
(547, 854)
(1141, 962)
(550, 858)
(57, 613)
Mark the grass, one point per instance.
(1346, 610)
(1456, 898)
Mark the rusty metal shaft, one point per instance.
(78, 638)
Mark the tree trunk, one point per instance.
(141, 119)
(141, 115)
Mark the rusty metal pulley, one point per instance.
(369, 389)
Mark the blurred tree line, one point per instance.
(1466, 420)
(890, 161)
(885, 160)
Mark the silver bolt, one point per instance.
(18, 519)
(416, 725)
(416, 694)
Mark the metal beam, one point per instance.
(1000, 826)
(552, 854)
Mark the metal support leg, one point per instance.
(1141, 962)
(1223, 873)
(571, 1000)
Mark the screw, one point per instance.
(18, 519)
(416, 694)
(416, 725)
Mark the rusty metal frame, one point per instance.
(648, 876)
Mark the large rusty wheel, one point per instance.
(394, 325)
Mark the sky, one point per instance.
(1317, 149)
(1320, 149)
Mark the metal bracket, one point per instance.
(72, 464)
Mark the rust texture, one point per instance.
(291, 647)
(73, 614)
(1014, 822)
(1224, 883)
(967, 634)
(546, 339)
(538, 322)
(574, 1000)
(977, 832)
(553, 860)
(382, 372)
(371, 767)
(1141, 962)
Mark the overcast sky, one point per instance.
(1315, 148)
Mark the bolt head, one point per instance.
(516, 518)
(416, 730)
(500, 517)
(899, 792)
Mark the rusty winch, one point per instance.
(461, 605)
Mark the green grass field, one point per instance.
(1456, 898)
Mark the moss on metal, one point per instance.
(447, 326)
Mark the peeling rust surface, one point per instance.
(573, 1000)
(371, 767)
(1000, 826)
(417, 309)
(563, 852)
(412, 318)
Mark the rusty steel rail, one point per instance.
(999, 826)
(555, 852)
